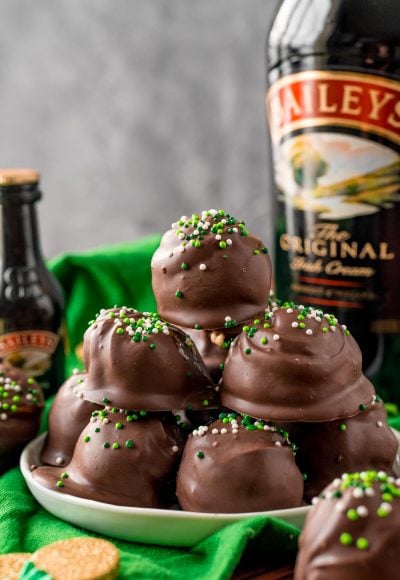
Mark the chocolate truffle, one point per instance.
(326, 450)
(68, 416)
(352, 533)
(122, 458)
(295, 364)
(210, 271)
(142, 362)
(236, 465)
(21, 405)
(213, 346)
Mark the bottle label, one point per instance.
(336, 149)
(30, 350)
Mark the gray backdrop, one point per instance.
(135, 111)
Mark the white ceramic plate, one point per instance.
(146, 525)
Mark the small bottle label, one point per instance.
(30, 350)
(336, 149)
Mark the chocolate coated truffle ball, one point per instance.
(142, 362)
(21, 405)
(235, 466)
(209, 271)
(353, 532)
(326, 450)
(69, 415)
(295, 364)
(121, 458)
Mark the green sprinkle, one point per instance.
(247, 351)
(115, 445)
(346, 539)
(264, 250)
(387, 497)
(256, 252)
(302, 325)
(342, 427)
(60, 484)
(246, 328)
(31, 381)
(200, 454)
(205, 403)
(106, 445)
(97, 430)
(352, 515)
(222, 245)
(347, 332)
(16, 399)
(120, 330)
(179, 294)
(129, 444)
(324, 329)
(382, 512)
(362, 407)
(184, 266)
(267, 325)
(362, 544)
(64, 475)
(105, 400)
(14, 408)
(197, 327)
(153, 346)
(221, 366)
(264, 340)
(119, 425)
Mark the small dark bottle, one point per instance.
(31, 300)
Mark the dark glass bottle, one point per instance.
(31, 300)
(333, 106)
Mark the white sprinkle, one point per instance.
(381, 475)
(4, 416)
(289, 310)
(295, 324)
(370, 492)
(182, 249)
(344, 327)
(340, 507)
(278, 443)
(309, 331)
(106, 420)
(276, 337)
(228, 242)
(215, 431)
(267, 428)
(301, 307)
(165, 331)
(218, 237)
(224, 431)
(93, 419)
(196, 232)
(318, 318)
(337, 482)
(76, 371)
(59, 460)
(175, 449)
(332, 328)
(358, 492)
(386, 506)
(362, 511)
(181, 236)
(345, 476)
(29, 397)
(228, 318)
(223, 221)
(155, 331)
(203, 267)
(234, 431)
(315, 500)
(379, 424)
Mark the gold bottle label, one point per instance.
(336, 149)
(30, 350)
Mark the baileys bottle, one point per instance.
(333, 105)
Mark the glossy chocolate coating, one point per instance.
(243, 471)
(202, 284)
(280, 371)
(121, 461)
(213, 346)
(354, 536)
(143, 362)
(69, 414)
(21, 405)
(326, 450)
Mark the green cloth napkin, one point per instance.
(99, 279)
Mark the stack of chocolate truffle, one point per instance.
(97, 446)
(289, 408)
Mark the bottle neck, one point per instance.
(20, 240)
